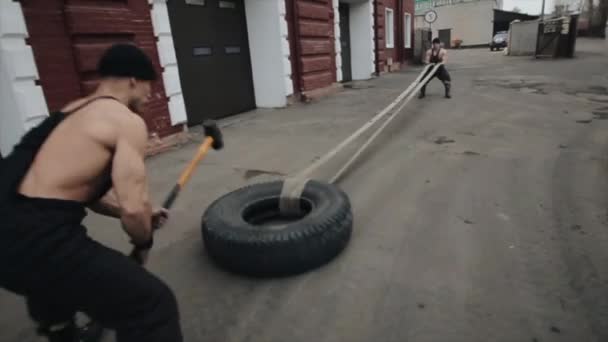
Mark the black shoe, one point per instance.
(421, 95)
(66, 333)
(91, 332)
(448, 96)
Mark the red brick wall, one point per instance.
(68, 39)
(383, 52)
(315, 25)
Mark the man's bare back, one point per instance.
(76, 159)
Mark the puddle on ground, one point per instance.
(444, 140)
(523, 85)
(357, 86)
(599, 90)
(601, 115)
(252, 173)
(542, 85)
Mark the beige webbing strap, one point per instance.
(289, 202)
(379, 130)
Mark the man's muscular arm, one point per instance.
(130, 181)
(444, 57)
(107, 206)
(427, 56)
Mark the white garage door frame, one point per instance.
(362, 38)
(269, 51)
(22, 103)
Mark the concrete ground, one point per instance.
(495, 232)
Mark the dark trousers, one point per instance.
(46, 256)
(442, 74)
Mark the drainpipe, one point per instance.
(400, 36)
(376, 52)
(294, 38)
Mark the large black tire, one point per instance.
(235, 241)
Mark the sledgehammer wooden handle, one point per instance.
(187, 173)
(213, 140)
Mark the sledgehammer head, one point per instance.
(211, 130)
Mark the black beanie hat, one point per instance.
(126, 60)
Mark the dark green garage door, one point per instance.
(210, 38)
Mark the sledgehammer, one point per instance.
(213, 138)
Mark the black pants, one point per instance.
(46, 256)
(442, 74)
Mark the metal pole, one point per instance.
(541, 26)
(542, 12)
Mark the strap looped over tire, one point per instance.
(239, 234)
(292, 187)
(291, 193)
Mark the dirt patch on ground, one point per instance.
(544, 85)
(528, 85)
(444, 140)
(252, 173)
(600, 115)
(355, 86)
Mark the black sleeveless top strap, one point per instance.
(14, 166)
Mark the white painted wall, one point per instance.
(362, 39)
(522, 38)
(269, 49)
(419, 22)
(168, 60)
(472, 22)
(22, 103)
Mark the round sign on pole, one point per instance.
(430, 16)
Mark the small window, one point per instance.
(407, 31)
(195, 2)
(232, 50)
(202, 51)
(389, 28)
(227, 4)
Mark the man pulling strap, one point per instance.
(437, 55)
(89, 154)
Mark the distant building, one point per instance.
(568, 6)
(470, 21)
(473, 22)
